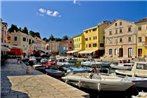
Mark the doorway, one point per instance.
(120, 52)
(139, 52)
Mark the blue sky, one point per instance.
(68, 17)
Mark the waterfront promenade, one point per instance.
(20, 81)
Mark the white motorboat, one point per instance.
(139, 82)
(122, 64)
(138, 74)
(140, 95)
(139, 69)
(98, 82)
(62, 61)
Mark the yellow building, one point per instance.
(142, 38)
(94, 40)
(78, 43)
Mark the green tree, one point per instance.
(65, 37)
(37, 34)
(45, 39)
(32, 33)
(51, 38)
(13, 28)
(58, 39)
(25, 30)
(20, 29)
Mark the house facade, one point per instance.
(52, 47)
(120, 39)
(94, 40)
(78, 45)
(66, 45)
(142, 38)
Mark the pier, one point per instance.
(21, 81)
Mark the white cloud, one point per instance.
(76, 2)
(43, 12)
(55, 13)
(49, 12)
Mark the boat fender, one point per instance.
(99, 86)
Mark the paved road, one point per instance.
(20, 81)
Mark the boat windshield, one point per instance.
(141, 66)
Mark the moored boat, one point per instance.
(98, 82)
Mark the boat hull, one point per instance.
(99, 84)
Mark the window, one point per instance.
(120, 23)
(130, 51)
(94, 37)
(110, 51)
(89, 38)
(120, 30)
(24, 39)
(15, 38)
(115, 51)
(94, 29)
(115, 24)
(86, 39)
(129, 39)
(101, 44)
(95, 45)
(120, 40)
(116, 31)
(79, 39)
(86, 31)
(89, 45)
(129, 29)
(69, 48)
(110, 32)
(141, 66)
(139, 39)
(29, 41)
(86, 45)
(139, 28)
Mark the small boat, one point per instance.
(138, 74)
(98, 82)
(39, 67)
(62, 61)
(140, 95)
(122, 64)
(44, 60)
(139, 82)
(76, 69)
(88, 62)
(139, 69)
(54, 72)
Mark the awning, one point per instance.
(3, 48)
(73, 51)
(86, 51)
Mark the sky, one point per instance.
(69, 18)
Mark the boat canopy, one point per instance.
(73, 51)
(86, 51)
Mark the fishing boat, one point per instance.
(98, 82)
